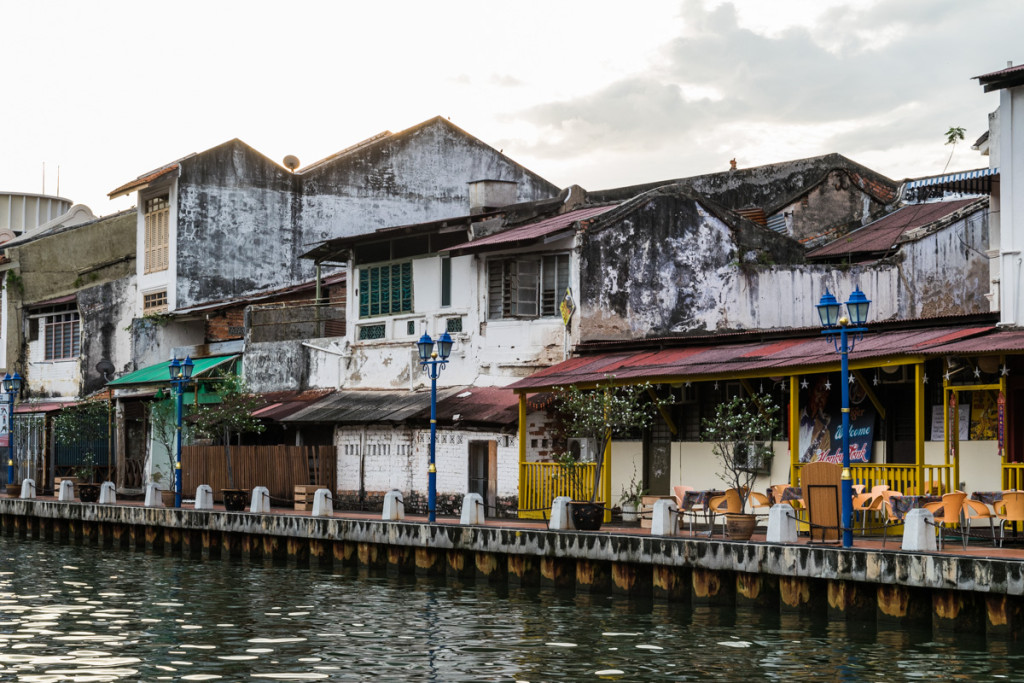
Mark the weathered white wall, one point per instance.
(1011, 202)
(398, 459)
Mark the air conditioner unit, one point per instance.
(582, 449)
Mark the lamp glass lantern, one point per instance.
(857, 307)
(828, 310)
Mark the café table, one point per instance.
(789, 494)
(901, 505)
(987, 497)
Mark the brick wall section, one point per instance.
(225, 325)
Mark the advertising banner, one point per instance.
(821, 422)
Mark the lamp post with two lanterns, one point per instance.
(181, 374)
(844, 332)
(12, 385)
(433, 361)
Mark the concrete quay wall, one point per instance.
(964, 593)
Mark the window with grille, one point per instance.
(157, 216)
(385, 289)
(453, 325)
(367, 332)
(156, 302)
(526, 287)
(62, 337)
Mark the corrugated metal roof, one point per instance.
(369, 406)
(532, 231)
(883, 234)
(159, 372)
(1000, 341)
(281, 404)
(1004, 78)
(752, 358)
(950, 178)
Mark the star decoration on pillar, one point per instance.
(828, 385)
(925, 380)
(803, 383)
(977, 372)
(1004, 371)
(947, 375)
(851, 379)
(716, 386)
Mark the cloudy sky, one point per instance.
(591, 92)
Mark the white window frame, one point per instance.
(531, 286)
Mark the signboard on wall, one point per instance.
(965, 423)
(821, 423)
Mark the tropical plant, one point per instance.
(600, 413)
(741, 430)
(84, 423)
(953, 135)
(233, 415)
(634, 492)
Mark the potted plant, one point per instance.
(632, 498)
(741, 430)
(232, 415)
(88, 489)
(597, 415)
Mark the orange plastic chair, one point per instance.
(757, 500)
(778, 490)
(685, 513)
(1009, 509)
(947, 513)
(730, 503)
(974, 509)
(866, 504)
(677, 493)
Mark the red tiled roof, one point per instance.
(883, 234)
(140, 183)
(753, 358)
(532, 231)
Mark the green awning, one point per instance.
(159, 373)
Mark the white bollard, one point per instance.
(919, 531)
(260, 500)
(154, 499)
(204, 497)
(323, 503)
(28, 489)
(665, 518)
(394, 506)
(560, 520)
(781, 524)
(67, 491)
(472, 509)
(108, 494)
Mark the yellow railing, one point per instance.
(904, 478)
(541, 482)
(1013, 476)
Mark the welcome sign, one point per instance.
(821, 422)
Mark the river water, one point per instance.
(80, 613)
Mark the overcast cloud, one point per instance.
(600, 93)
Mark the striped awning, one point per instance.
(978, 181)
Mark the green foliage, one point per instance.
(603, 412)
(953, 135)
(163, 416)
(83, 422)
(15, 282)
(741, 430)
(87, 469)
(233, 415)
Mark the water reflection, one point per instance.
(71, 613)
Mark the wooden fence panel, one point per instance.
(279, 468)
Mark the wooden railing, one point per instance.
(279, 468)
(540, 483)
(907, 479)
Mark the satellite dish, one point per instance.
(105, 368)
(291, 162)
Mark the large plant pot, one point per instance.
(629, 513)
(586, 516)
(14, 490)
(740, 527)
(88, 493)
(235, 500)
(167, 496)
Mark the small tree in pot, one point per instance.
(85, 425)
(598, 414)
(741, 430)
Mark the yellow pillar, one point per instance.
(921, 423)
(525, 494)
(794, 426)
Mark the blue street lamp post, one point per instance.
(843, 337)
(12, 385)
(181, 374)
(433, 362)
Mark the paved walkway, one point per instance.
(980, 544)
